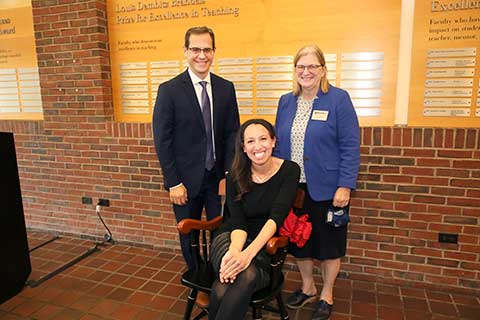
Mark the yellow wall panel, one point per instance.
(445, 64)
(142, 32)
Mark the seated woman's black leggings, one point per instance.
(230, 300)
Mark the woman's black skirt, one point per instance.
(220, 246)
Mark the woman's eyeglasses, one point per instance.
(309, 68)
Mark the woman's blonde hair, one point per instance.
(315, 50)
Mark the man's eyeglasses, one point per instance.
(206, 51)
(309, 68)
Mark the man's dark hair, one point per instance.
(199, 30)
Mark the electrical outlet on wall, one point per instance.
(104, 202)
(448, 237)
(87, 200)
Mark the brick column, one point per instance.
(73, 59)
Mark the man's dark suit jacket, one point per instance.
(179, 131)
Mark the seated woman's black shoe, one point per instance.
(322, 311)
(298, 299)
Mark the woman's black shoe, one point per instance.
(322, 311)
(298, 299)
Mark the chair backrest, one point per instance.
(277, 246)
(299, 199)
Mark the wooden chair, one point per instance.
(201, 278)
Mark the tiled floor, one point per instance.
(123, 282)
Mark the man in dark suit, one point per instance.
(195, 121)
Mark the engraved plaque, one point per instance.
(448, 92)
(275, 68)
(245, 103)
(367, 112)
(273, 77)
(330, 57)
(133, 73)
(135, 103)
(267, 111)
(8, 84)
(135, 110)
(366, 102)
(11, 90)
(243, 86)
(447, 102)
(365, 93)
(443, 112)
(362, 56)
(28, 90)
(239, 77)
(134, 80)
(362, 75)
(8, 78)
(274, 85)
(246, 111)
(29, 76)
(331, 66)
(28, 84)
(449, 83)
(451, 52)
(460, 72)
(237, 69)
(229, 61)
(133, 65)
(31, 96)
(370, 65)
(165, 64)
(270, 94)
(34, 103)
(267, 103)
(134, 88)
(244, 94)
(275, 59)
(163, 72)
(134, 96)
(37, 108)
(7, 71)
(28, 70)
(9, 97)
(7, 109)
(441, 63)
(357, 84)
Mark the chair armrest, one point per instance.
(276, 243)
(187, 225)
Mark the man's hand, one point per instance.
(341, 197)
(179, 195)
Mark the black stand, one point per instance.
(15, 266)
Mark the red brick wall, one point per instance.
(413, 183)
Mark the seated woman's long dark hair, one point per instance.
(241, 171)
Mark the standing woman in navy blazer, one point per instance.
(317, 127)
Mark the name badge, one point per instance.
(320, 115)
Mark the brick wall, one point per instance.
(413, 183)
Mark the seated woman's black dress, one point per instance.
(269, 200)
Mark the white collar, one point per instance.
(196, 79)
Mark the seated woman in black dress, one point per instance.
(260, 192)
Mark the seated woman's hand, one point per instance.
(235, 264)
